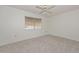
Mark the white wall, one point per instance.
(12, 25)
(65, 25)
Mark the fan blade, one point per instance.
(42, 12)
(49, 12)
(39, 7)
(51, 7)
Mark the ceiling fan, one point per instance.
(45, 8)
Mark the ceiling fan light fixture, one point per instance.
(45, 8)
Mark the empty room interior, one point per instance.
(39, 28)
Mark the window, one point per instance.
(32, 23)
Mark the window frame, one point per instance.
(34, 27)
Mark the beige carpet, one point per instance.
(44, 44)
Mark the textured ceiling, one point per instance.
(59, 9)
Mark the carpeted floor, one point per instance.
(43, 44)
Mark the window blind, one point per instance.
(32, 23)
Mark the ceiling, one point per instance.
(58, 9)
